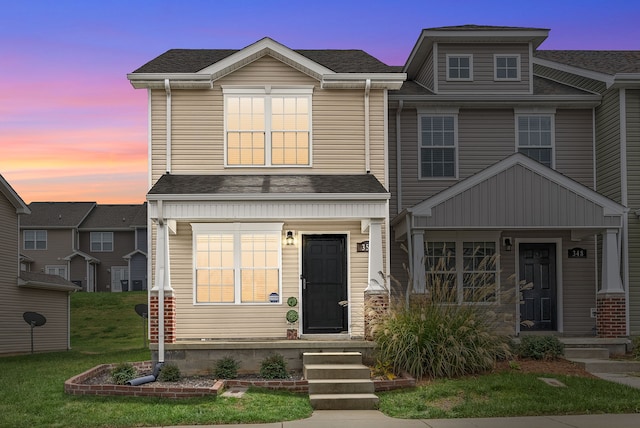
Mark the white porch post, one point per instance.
(377, 281)
(417, 273)
(611, 280)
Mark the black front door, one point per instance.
(324, 283)
(538, 305)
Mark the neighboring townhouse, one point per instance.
(21, 291)
(615, 75)
(97, 247)
(268, 193)
(112, 234)
(493, 182)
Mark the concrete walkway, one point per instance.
(375, 419)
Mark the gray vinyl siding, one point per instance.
(570, 79)
(633, 168)
(138, 272)
(483, 68)
(59, 245)
(574, 145)
(141, 237)
(608, 146)
(425, 74)
(123, 244)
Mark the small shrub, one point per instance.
(169, 373)
(636, 347)
(122, 373)
(540, 347)
(226, 368)
(274, 367)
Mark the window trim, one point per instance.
(507, 79)
(267, 92)
(35, 240)
(58, 267)
(459, 238)
(551, 114)
(237, 230)
(448, 77)
(102, 242)
(442, 112)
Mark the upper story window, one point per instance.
(35, 240)
(507, 67)
(438, 145)
(237, 263)
(268, 127)
(535, 137)
(101, 241)
(459, 67)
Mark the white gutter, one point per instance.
(367, 142)
(399, 156)
(167, 88)
(625, 201)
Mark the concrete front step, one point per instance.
(331, 358)
(344, 401)
(608, 366)
(341, 386)
(336, 371)
(586, 353)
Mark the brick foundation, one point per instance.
(611, 318)
(169, 319)
(376, 306)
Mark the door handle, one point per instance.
(304, 282)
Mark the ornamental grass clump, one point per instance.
(435, 335)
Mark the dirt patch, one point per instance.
(559, 366)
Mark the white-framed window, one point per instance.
(535, 137)
(267, 127)
(35, 240)
(237, 263)
(438, 145)
(60, 270)
(460, 67)
(101, 242)
(507, 67)
(462, 269)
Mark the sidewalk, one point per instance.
(375, 419)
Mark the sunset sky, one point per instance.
(73, 129)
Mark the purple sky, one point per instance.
(73, 129)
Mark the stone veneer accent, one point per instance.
(169, 319)
(611, 319)
(76, 385)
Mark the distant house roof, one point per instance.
(607, 62)
(112, 217)
(46, 281)
(194, 60)
(140, 220)
(56, 214)
(13, 197)
(170, 184)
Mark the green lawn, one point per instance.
(106, 329)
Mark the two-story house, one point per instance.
(615, 75)
(23, 292)
(98, 247)
(268, 194)
(493, 170)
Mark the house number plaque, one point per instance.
(363, 247)
(577, 253)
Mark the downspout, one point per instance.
(409, 221)
(595, 187)
(367, 148)
(625, 202)
(399, 156)
(167, 88)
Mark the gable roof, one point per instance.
(112, 217)
(199, 68)
(267, 186)
(13, 197)
(56, 215)
(516, 192)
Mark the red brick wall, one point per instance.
(611, 316)
(169, 319)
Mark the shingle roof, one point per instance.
(112, 217)
(194, 60)
(170, 184)
(46, 281)
(607, 62)
(56, 214)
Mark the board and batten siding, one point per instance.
(237, 321)
(483, 68)
(633, 185)
(338, 134)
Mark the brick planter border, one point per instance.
(76, 385)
